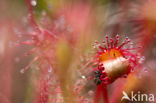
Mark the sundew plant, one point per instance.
(77, 51)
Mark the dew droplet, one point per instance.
(90, 92)
(22, 71)
(83, 77)
(33, 3)
(141, 60)
(50, 69)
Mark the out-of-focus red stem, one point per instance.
(31, 16)
(97, 94)
(117, 92)
(101, 90)
(105, 95)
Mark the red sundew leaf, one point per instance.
(113, 58)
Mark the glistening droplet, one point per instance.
(33, 3)
(22, 71)
(50, 69)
